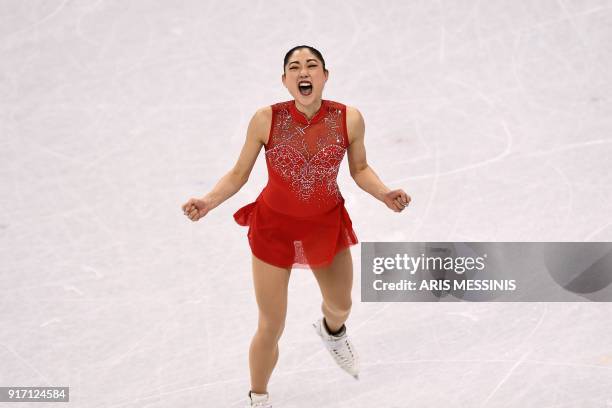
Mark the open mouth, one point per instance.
(305, 88)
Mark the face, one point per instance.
(304, 66)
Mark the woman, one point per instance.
(299, 219)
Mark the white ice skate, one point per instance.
(340, 348)
(259, 400)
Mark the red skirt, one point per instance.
(291, 242)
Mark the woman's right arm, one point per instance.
(232, 182)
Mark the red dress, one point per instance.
(299, 219)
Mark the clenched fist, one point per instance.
(196, 208)
(397, 200)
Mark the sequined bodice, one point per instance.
(303, 158)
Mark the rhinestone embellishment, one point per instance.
(308, 161)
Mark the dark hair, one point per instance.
(312, 49)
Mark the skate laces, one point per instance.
(342, 350)
(340, 347)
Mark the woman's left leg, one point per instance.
(336, 283)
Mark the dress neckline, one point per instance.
(300, 117)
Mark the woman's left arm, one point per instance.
(364, 174)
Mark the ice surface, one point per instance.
(493, 115)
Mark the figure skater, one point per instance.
(299, 219)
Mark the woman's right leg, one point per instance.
(270, 284)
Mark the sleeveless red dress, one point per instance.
(299, 219)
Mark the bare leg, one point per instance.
(271, 293)
(336, 283)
